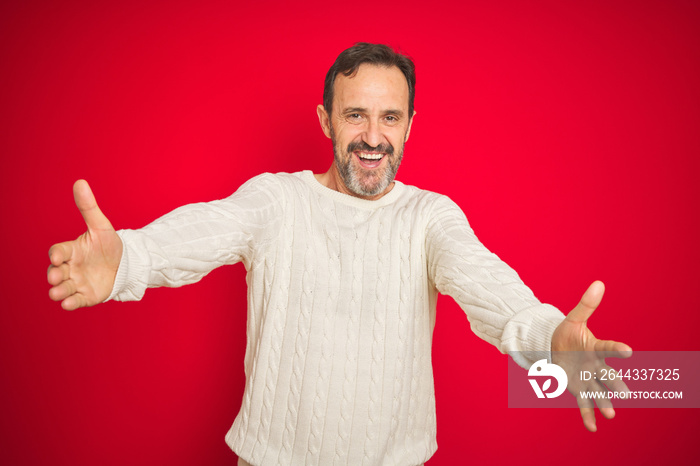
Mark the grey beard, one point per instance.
(352, 175)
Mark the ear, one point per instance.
(408, 131)
(324, 120)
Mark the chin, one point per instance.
(372, 188)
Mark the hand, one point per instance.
(83, 271)
(574, 348)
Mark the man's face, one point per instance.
(368, 126)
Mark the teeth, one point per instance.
(365, 155)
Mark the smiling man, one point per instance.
(343, 270)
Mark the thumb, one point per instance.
(589, 302)
(85, 200)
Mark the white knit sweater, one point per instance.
(341, 310)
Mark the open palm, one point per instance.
(575, 348)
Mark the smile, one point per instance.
(370, 159)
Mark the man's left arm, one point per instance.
(501, 309)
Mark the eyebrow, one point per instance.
(396, 112)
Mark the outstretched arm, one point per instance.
(575, 348)
(83, 271)
(504, 312)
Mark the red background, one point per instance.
(567, 131)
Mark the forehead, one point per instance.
(372, 87)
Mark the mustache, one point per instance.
(362, 146)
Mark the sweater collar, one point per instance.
(388, 198)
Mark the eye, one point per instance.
(391, 119)
(354, 117)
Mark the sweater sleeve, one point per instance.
(186, 244)
(500, 308)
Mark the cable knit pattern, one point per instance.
(320, 400)
(341, 309)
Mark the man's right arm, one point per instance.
(177, 249)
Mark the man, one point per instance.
(343, 270)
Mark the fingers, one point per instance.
(66, 292)
(589, 419)
(607, 411)
(74, 302)
(588, 414)
(56, 275)
(604, 404)
(86, 203)
(60, 253)
(599, 393)
(612, 349)
(589, 302)
(63, 290)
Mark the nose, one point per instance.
(372, 134)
